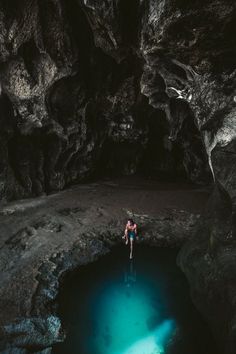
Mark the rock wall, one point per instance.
(113, 87)
(208, 260)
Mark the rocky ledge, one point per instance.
(43, 238)
(208, 259)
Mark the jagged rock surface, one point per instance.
(81, 78)
(208, 260)
(42, 239)
(104, 87)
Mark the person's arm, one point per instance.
(126, 230)
(135, 229)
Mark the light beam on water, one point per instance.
(117, 306)
(124, 310)
(155, 342)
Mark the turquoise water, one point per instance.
(118, 306)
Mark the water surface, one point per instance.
(118, 306)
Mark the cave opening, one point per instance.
(153, 156)
(143, 306)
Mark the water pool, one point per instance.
(118, 306)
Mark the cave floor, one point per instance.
(34, 230)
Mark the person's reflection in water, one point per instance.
(130, 275)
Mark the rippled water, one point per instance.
(118, 306)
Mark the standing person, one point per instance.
(130, 235)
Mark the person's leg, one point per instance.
(131, 247)
(126, 238)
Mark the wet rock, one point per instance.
(34, 333)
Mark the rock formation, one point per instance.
(79, 78)
(92, 88)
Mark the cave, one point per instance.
(113, 111)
